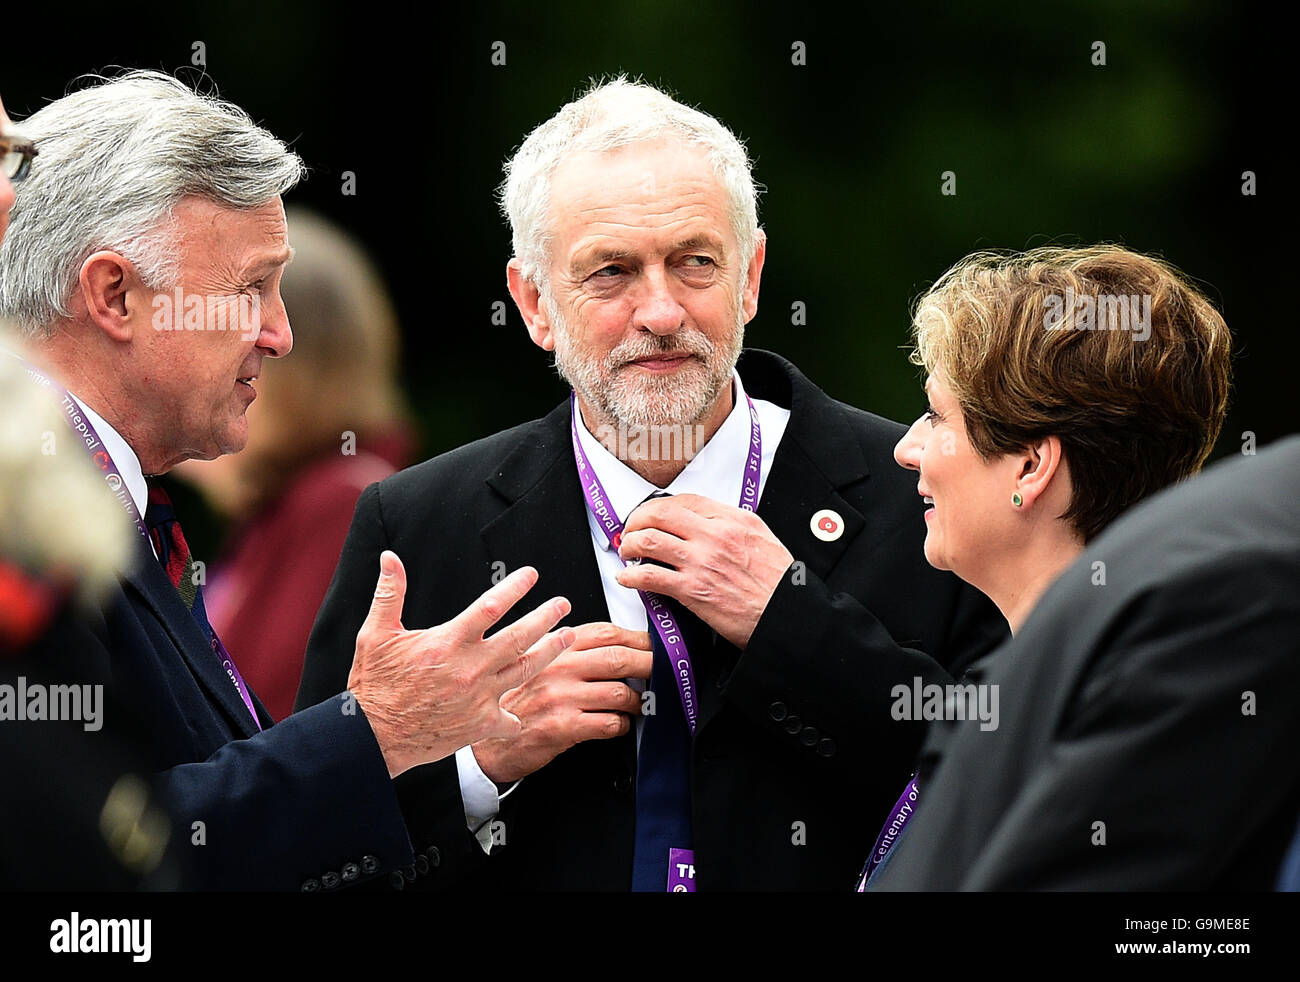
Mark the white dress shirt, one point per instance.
(128, 464)
(717, 471)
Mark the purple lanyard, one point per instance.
(658, 613)
(232, 673)
(102, 459)
(99, 455)
(904, 809)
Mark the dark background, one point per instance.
(1147, 151)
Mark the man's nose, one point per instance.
(276, 336)
(907, 452)
(658, 310)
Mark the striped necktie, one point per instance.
(174, 555)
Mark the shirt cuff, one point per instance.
(478, 792)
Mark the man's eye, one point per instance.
(699, 262)
(606, 272)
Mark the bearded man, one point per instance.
(778, 568)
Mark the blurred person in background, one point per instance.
(327, 423)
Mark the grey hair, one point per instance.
(115, 159)
(613, 114)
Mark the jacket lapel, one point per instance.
(818, 455)
(149, 580)
(544, 521)
(544, 525)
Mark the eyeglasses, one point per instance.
(16, 153)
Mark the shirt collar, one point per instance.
(716, 471)
(128, 464)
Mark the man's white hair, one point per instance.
(613, 114)
(115, 159)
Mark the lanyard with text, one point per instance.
(99, 455)
(904, 809)
(657, 611)
(103, 460)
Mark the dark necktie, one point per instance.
(174, 555)
(663, 788)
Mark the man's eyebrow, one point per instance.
(598, 257)
(699, 241)
(283, 258)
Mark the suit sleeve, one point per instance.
(825, 658)
(1190, 708)
(429, 796)
(305, 803)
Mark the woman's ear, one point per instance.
(1039, 464)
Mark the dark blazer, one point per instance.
(795, 755)
(306, 803)
(63, 834)
(1161, 703)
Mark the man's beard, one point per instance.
(621, 395)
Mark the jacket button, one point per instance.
(793, 724)
(408, 873)
(310, 886)
(435, 857)
(827, 747)
(623, 782)
(422, 865)
(330, 880)
(808, 736)
(369, 865)
(395, 880)
(777, 711)
(350, 872)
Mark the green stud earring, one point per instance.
(1016, 499)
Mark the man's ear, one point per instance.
(529, 301)
(114, 295)
(749, 298)
(1041, 462)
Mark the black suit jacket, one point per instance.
(1161, 703)
(298, 805)
(795, 756)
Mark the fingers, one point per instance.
(535, 659)
(515, 640)
(653, 579)
(656, 544)
(614, 661)
(611, 697)
(603, 634)
(602, 726)
(684, 515)
(475, 619)
(390, 593)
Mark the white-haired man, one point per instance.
(142, 264)
(780, 579)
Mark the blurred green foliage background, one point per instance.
(1147, 150)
